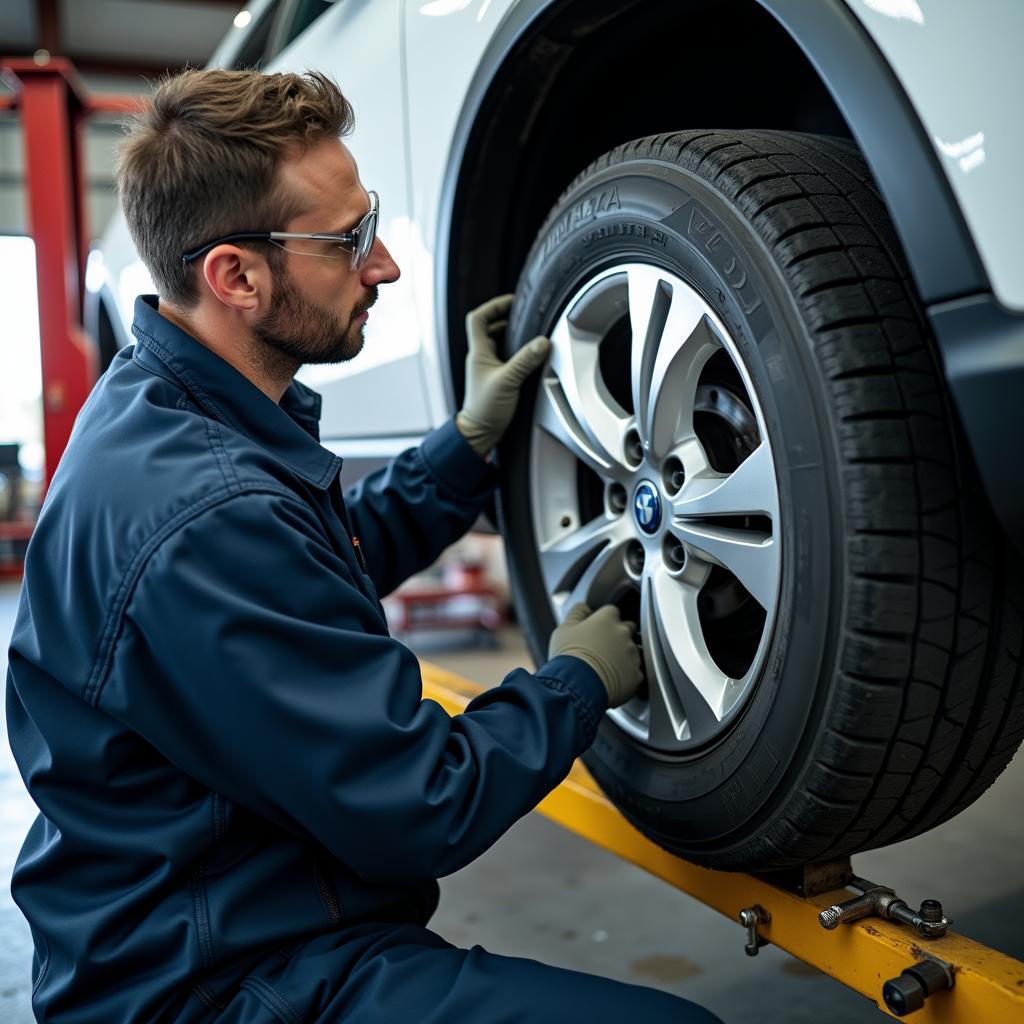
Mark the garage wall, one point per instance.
(117, 46)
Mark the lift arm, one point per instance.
(863, 955)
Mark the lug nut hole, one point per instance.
(675, 554)
(673, 475)
(635, 557)
(634, 448)
(617, 498)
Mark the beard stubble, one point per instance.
(298, 330)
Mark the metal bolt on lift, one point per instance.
(882, 901)
(907, 993)
(750, 918)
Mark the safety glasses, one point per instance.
(357, 243)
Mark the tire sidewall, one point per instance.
(652, 211)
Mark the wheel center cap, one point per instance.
(647, 507)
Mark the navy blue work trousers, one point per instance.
(404, 974)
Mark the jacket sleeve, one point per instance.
(250, 660)
(408, 512)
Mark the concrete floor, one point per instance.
(541, 892)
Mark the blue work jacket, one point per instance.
(230, 755)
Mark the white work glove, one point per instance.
(605, 643)
(492, 386)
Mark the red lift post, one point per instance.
(53, 104)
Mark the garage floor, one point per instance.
(543, 893)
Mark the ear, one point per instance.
(239, 278)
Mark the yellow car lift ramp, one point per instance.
(988, 987)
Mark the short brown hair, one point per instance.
(201, 160)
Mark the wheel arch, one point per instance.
(562, 81)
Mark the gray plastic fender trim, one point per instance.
(938, 245)
(983, 352)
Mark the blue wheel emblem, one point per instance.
(647, 507)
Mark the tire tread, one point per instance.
(956, 728)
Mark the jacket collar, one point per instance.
(291, 430)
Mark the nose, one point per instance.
(381, 267)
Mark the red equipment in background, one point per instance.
(53, 103)
(464, 598)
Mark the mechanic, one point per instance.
(245, 801)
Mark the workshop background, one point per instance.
(541, 892)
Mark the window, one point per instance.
(305, 12)
(253, 52)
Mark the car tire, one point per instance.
(884, 691)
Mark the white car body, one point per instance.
(961, 71)
(414, 71)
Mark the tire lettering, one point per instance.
(586, 209)
(699, 225)
(702, 231)
(558, 231)
(611, 230)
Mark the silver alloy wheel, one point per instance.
(672, 524)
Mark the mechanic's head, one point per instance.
(219, 152)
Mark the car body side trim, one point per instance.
(983, 351)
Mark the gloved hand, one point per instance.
(492, 387)
(605, 643)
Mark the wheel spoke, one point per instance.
(686, 688)
(751, 554)
(688, 343)
(666, 721)
(649, 300)
(752, 557)
(554, 415)
(749, 490)
(575, 406)
(672, 340)
(585, 564)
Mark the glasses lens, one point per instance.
(367, 234)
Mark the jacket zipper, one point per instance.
(359, 554)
